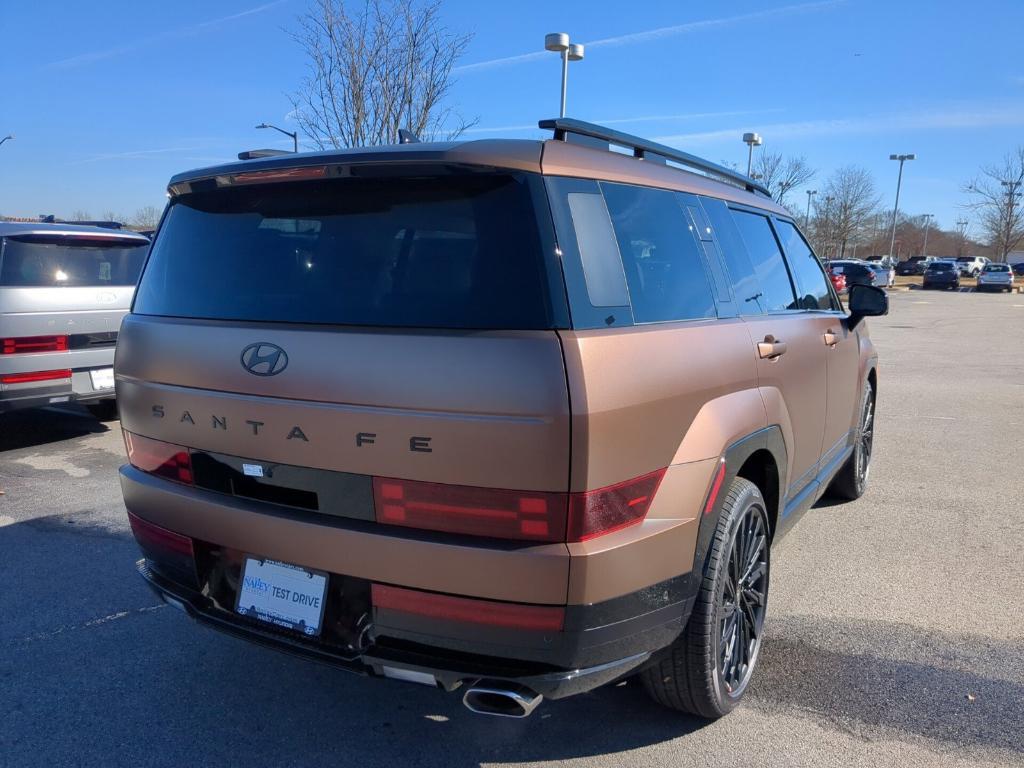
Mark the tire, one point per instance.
(852, 480)
(104, 410)
(694, 677)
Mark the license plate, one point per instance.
(102, 378)
(286, 595)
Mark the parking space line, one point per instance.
(91, 623)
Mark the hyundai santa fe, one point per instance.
(63, 292)
(517, 418)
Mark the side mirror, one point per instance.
(866, 301)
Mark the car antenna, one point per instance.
(406, 136)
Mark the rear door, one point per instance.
(394, 327)
(788, 350)
(823, 311)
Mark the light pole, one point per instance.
(927, 223)
(751, 140)
(8, 137)
(295, 136)
(1012, 194)
(559, 43)
(807, 216)
(896, 208)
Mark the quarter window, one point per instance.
(810, 279)
(664, 267)
(766, 258)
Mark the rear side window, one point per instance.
(59, 262)
(664, 268)
(813, 288)
(745, 288)
(767, 261)
(451, 251)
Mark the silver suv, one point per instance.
(63, 292)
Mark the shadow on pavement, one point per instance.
(94, 673)
(41, 426)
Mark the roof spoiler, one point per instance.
(569, 129)
(255, 154)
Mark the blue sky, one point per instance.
(108, 100)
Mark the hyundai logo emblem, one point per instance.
(263, 359)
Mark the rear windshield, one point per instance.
(35, 263)
(452, 251)
(997, 268)
(941, 266)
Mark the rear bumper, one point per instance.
(378, 658)
(78, 389)
(598, 642)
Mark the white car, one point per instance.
(996, 277)
(971, 265)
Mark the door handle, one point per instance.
(771, 348)
(830, 338)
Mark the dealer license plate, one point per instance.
(286, 595)
(102, 378)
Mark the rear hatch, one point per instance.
(298, 336)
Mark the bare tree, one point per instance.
(781, 175)
(80, 215)
(845, 210)
(146, 217)
(996, 202)
(385, 66)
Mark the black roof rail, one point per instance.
(649, 150)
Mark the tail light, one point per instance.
(464, 509)
(35, 376)
(541, 618)
(509, 514)
(595, 513)
(153, 537)
(159, 458)
(27, 344)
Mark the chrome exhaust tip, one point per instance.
(501, 700)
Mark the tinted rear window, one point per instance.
(456, 251)
(57, 262)
(941, 266)
(997, 268)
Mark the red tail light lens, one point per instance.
(716, 486)
(154, 538)
(33, 344)
(595, 513)
(159, 458)
(464, 509)
(508, 514)
(35, 376)
(542, 618)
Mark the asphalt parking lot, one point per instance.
(895, 634)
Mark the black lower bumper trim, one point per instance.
(449, 672)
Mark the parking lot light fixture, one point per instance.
(295, 136)
(751, 140)
(8, 137)
(807, 215)
(558, 42)
(896, 207)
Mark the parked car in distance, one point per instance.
(855, 272)
(996, 277)
(838, 281)
(909, 266)
(942, 274)
(63, 292)
(885, 275)
(375, 417)
(971, 265)
(1018, 268)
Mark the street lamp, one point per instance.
(807, 216)
(751, 140)
(559, 43)
(896, 208)
(1012, 194)
(927, 223)
(295, 136)
(8, 137)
